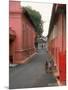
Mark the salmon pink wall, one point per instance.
(15, 22)
(57, 47)
(23, 45)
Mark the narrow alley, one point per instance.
(37, 45)
(32, 74)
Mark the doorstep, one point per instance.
(12, 65)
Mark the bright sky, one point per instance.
(45, 10)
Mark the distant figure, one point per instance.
(49, 65)
(42, 45)
(46, 66)
(36, 45)
(52, 64)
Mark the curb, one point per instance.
(24, 61)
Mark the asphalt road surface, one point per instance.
(32, 74)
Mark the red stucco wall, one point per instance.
(57, 46)
(23, 45)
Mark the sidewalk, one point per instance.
(26, 60)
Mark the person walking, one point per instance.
(46, 66)
(36, 45)
(42, 45)
(49, 67)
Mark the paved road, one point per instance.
(32, 74)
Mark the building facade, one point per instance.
(57, 40)
(21, 34)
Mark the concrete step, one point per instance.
(12, 65)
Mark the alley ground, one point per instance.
(32, 74)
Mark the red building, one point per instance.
(21, 34)
(57, 40)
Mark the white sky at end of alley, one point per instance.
(45, 10)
